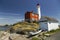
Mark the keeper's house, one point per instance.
(48, 24)
(30, 17)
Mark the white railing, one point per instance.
(34, 33)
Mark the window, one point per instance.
(33, 19)
(36, 19)
(32, 14)
(36, 15)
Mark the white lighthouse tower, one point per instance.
(39, 11)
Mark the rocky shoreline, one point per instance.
(7, 36)
(14, 36)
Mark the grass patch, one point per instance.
(53, 31)
(35, 38)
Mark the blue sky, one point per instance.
(12, 11)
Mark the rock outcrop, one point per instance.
(13, 36)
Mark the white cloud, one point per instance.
(15, 14)
(2, 18)
(11, 18)
(18, 19)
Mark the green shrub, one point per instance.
(52, 31)
(35, 38)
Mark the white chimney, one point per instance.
(39, 12)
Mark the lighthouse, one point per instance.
(39, 11)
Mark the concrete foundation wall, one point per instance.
(53, 26)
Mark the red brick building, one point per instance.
(30, 16)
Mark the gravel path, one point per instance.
(55, 36)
